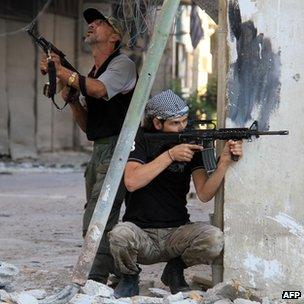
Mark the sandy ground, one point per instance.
(40, 223)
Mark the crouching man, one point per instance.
(156, 226)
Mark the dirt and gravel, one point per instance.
(41, 205)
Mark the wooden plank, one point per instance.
(217, 267)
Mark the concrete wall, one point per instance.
(263, 210)
(29, 123)
(55, 128)
(18, 96)
(4, 136)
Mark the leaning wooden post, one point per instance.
(218, 219)
(125, 141)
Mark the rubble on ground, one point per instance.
(61, 162)
(96, 293)
(7, 272)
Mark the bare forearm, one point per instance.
(79, 114)
(144, 174)
(210, 187)
(94, 87)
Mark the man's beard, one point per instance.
(90, 40)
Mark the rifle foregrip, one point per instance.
(234, 157)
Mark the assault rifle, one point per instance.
(207, 137)
(50, 89)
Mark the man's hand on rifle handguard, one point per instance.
(231, 148)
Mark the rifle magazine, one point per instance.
(208, 156)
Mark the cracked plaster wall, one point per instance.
(263, 202)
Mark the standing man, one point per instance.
(106, 95)
(156, 225)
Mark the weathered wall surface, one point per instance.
(263, 211)
(20, 79)
(4, 137)
(55, 128)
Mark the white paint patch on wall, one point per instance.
(248, 9)
(270, 269)
(289, 223)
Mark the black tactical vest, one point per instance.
(105, 117)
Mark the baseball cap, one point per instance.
(166, 105)
(92, 14)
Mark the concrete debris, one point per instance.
(115, 301)
(229, 290)
(7, 272)
(4, 296)
(268, 301)
(203, 282)
(63, 296)
(244, 301)
(159, 292)
(22, 298)
(94, 288)
(82, 299)
(174, 298)
(196, 295)
(145, 300)
(225, 301)
(133, 300)
(39, 294)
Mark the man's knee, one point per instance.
(122, 235)
(216, 240)
(206, 246)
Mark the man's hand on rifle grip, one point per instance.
(184, 152)
(56, 59)
(43, 64)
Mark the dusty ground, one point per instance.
(40, 222)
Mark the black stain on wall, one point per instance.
(254, 82)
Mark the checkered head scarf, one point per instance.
(166, 105)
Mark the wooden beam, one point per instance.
(217, 267)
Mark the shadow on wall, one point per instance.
(254, 80)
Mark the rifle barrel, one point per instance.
(282, 132)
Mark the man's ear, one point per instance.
(114, 38)
(157, 124)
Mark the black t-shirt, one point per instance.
(161, 203)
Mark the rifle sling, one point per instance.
(82, 85)
(52, 82)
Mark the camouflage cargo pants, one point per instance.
(196, 243)
(94, 177)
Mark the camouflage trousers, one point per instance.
(196, 243)
(94, 177)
